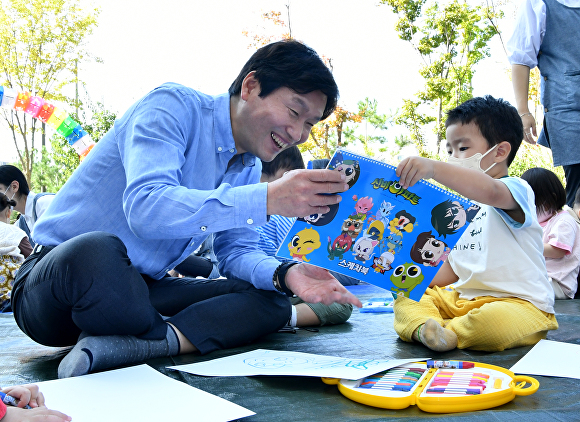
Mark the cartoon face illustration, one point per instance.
(321, 219)
(363, 248)
(428, 250)
(403, 221)
(448, 217)
(340, 245)
(394, 243)
(384, 210)
(405, 278)
(383, 263)
(363, 205)
(352, 227)
(375, 230)
(302, 243)
(350, 168)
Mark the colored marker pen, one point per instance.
(11, 401)
(455, 364)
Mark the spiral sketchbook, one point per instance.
(381, 233)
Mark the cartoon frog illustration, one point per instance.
(405, 278)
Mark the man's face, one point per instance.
(267, 125)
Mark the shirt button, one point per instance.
(546, 110)
(545, 78)
(192, 243)
(203, 228)
(219, 148)
(232, 150)
(250, 221)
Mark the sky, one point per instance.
(199, 43)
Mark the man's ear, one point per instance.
(249, 85)
(503, 151)
(15, 186)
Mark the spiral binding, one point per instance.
(422, 181)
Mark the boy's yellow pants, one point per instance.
(484, 323)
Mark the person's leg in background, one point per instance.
(572, 173)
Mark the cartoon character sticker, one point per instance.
(449, 216)
(405, 278)
(394, 243)
(303, 243)
(363, 248)
(362, 207)
(428, 250)
(383, 263)
(383, 213)
(403, 221)
(352, 227)
(340, 245)
(350, 168)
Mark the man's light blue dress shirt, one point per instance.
(160, 181)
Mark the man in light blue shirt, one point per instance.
(176, 167)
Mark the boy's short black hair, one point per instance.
(496, 119)
(288, 159)
(290, 64)
(549, 193)
(320, 164)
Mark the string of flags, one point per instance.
(52, 115)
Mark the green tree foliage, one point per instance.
(57, 164)
(451, 38)
(41, 44)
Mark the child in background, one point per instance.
(272, 234)
(503, 297)
(561, 232)
(14, 247)
(31, 396)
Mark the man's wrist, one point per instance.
(279, 278)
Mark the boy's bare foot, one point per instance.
(435, 337)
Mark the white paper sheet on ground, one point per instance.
(275, 362)
(551, 359)
(139, 393)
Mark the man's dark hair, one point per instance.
(496, 119)
(9, 174)
(319, 164)
(577, 197)
(549, 192)
(293, 65)
(288, 159)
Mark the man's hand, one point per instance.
(313, 284)
(412, 169)
(299, 193)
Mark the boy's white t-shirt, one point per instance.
(563, 232)
(497, 256)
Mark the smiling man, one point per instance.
(176, 167)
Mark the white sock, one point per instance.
(294, 318)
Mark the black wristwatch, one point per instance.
(279, 278)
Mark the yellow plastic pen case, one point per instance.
(438, 390)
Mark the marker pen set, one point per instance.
(53, 116)
(396, 379)
(438, 389)
(458, 382)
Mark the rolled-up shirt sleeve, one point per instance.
(530, 26)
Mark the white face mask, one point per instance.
(473, 162)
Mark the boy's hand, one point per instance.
(303, 192)
(28, 394)
(39, 414)
(413, 169)
(313, 284)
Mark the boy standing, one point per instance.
(503, 298)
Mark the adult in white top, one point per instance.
(546, 35)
